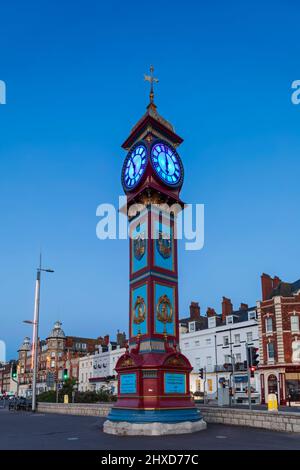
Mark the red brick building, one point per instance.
(7, 385)
(279, 333)
(56, 353)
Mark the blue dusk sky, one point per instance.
(74, 76)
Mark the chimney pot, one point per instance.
(210, 312)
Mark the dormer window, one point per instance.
(252, 315)
(229, 320)
(212, 322)
(192, 327)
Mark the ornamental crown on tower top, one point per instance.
(152, 121)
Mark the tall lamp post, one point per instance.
(35, 324)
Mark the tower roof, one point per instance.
(57, 331)
(152, 121)
(26, 346)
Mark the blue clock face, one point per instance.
(167, 164)
(134, 166)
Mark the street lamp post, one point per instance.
(35, 324)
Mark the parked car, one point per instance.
(20, 403)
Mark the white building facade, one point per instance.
(218, 345)
(98, 371)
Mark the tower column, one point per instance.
(153, 376)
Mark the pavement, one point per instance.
(287, 409)
(37, 431)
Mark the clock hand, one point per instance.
(134, 167)
(167, 164)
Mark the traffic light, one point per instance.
(65, 374)
(252, 370)
(14, 373)
(253, 356)
(201, 373)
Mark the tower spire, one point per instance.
(150, 78)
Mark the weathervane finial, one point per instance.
(150, 78)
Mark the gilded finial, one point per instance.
(150, 78)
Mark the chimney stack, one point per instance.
(194, 311)
(276, 282)
(244, 306)
(106, 340)
(227, 308)
(210, 312)
(268, 284)
(121, 339)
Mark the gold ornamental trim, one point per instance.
(139, 315)
(164, 309)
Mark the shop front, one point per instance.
(292, 385)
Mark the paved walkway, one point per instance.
(25, 430)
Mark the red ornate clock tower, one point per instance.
(153, 376)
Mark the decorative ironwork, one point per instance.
(150, 78)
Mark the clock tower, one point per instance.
(153, 376)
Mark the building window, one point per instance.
(229, 319)
(227, 359)
(197, 343)
(294, 323)
(225, 341)
(208, 341)
(197, 362)
(212, 322)
(269, 325)
(249, 337)
(186, 345)
(252, 315)
(271, 351)
(192, 327)
(237, 339)
(238, 357)
(210, 385)
(209, 360)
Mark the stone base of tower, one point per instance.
(130, 422)
(123, 428)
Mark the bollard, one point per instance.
(272, 402)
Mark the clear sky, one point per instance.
(74, 75)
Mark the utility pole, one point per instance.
(231, 378)
(35, 324)
(204, 383)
